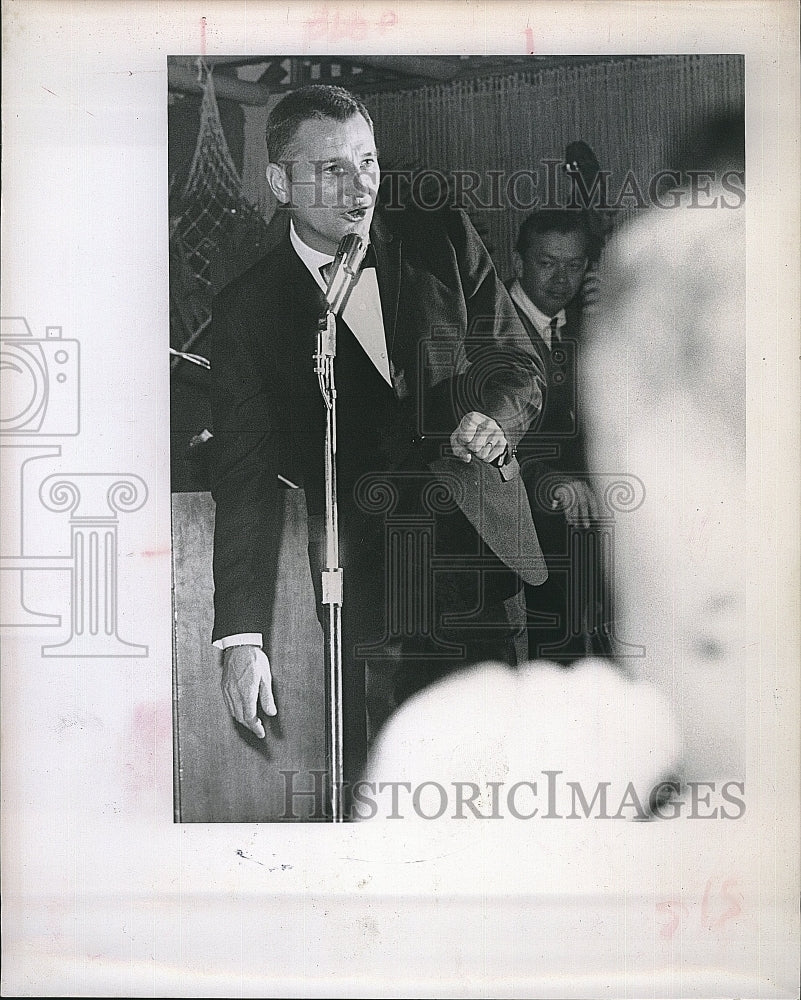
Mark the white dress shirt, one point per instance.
(362, 310)
(537, 317)
(363, 315)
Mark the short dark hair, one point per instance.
(317, 101)
(716, 143)
(561, 220)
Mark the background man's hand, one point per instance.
(590, 289)
(480, 436)
(578, 501)
(247, 680)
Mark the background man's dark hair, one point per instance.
(716, 143)
(561, 220)
(317, 101)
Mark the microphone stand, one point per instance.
(332, 572)
(345, 270)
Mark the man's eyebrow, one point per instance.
(346, 159)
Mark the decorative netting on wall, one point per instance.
(212, 225)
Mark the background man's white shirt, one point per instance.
(541, 322)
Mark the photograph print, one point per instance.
(457, 374)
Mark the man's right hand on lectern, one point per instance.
(246, 681)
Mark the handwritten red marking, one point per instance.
(49, 90)
(733, 909)
(717, 908)
(156, 552)
(203, 36)
(337, 25)
(388, 20)
(317, 26)
(529, 33)
(357, 28)
(671, 908)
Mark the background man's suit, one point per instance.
(555, 445)
(455, 344)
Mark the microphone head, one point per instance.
(350, 252)
(349, 243)
(349, 256)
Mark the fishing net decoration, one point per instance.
(211, 222)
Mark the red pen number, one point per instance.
(675, 909)
(718, 908)
(721, 902)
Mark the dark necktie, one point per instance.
(369, 261)
(365, 321)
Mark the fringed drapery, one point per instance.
(635, 113)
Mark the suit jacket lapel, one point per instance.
(306, 298)
(388, 249)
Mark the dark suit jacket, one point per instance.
(554, 444)
(455, 344)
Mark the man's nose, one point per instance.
(361, 187)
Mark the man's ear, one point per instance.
(279, 182)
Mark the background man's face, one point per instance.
(552, 269)
(331, 180)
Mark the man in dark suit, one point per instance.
(436, 381)
(556, 249)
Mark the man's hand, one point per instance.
(246, 680)
(590, 289)
(480, 436)
(578, 501)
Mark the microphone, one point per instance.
(344, 270)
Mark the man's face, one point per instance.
(552, 269)
(329, 177)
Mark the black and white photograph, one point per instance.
(399, 551)
(507, 201)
